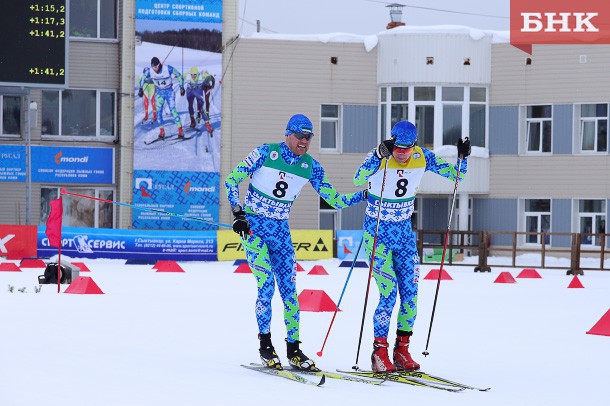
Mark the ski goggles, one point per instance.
(300, 135)
(404, 149)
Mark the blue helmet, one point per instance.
(299, 124)
(404, 134)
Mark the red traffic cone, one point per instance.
(505, 277)
(602, 327)
(433, 274)
(316, 301)
(575, 283)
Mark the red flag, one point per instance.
(53, 231)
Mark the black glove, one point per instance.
(463, 147)
(182, 91)
(140, 92)
(385, 149)
(240, 224)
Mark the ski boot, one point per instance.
(145, 117)
(267, 352)
(380, 360)
(209, 128)
(154, 117)
(193, 124)
(180, 133)
(297, 359)
(162, 133)
(402, 358)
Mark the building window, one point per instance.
(442, 114)
(400, 106)
(79, 113)
(329, 217)
(10, 116)
(383, 108)
(478, 114)
(537, 216)
(593, 127)
(79, 211)
(453, 98)
(424, 98)
(539, 123)
(415, 215)
(93, 19)
(330, 127)
(591, 220)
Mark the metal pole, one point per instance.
(28, 163)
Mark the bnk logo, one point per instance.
(558, 22)
(59, 158)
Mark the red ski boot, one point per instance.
(162, 133)
(209, 127)
(402, 358)
(380, 359)
(180, 133)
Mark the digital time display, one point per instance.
(34, 43)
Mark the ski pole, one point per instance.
(168, 213)
(372, 261)
(440, 272)
(341, 297)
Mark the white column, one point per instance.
(463, 212)
(463, 216)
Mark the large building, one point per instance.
(538, 123)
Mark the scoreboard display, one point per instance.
(34, 45)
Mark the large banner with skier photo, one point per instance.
(177, 113)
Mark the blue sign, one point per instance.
(348, 242)
(131, 244)
(69, 165)
(193, 194)
(12, 163)
(199, 11)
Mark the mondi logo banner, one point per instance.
(558, 22)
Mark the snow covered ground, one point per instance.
(158, 338)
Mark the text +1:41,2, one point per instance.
(47, 71)
(47, 33)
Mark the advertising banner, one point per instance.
(193, 194)
(131, 244)
(177, 131)
(308, 245)
(69, 165)
(12, 163)
(347, 244)
(17, 242)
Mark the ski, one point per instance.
(342, 377)
(394, 377)
(181, 139)
(285, 374)
(169, 137)
(153, 141)
(334, 375)
(433, 378)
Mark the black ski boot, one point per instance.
(267, 352)
(297, 359)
